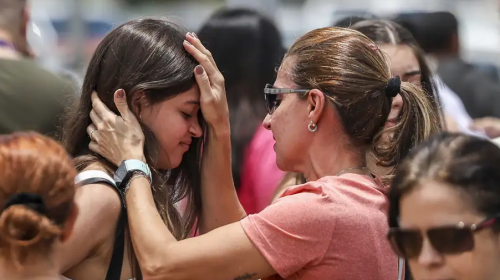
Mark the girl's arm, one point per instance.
(98, 211)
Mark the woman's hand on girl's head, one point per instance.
(211, 82)
(116, 138)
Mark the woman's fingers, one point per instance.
(92, 132)
(94, 147)
(195, 41)
(202, 80)
(213, 73)
(100, 109)
(96, 120)
(201, 58)
(120, 98)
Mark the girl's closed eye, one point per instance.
(186, 115)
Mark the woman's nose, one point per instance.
(267, 122)
(429, 257)
(397, 102)
(195, 129)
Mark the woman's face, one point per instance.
(404, 64)
(434, 204)
(289, 124)
(174, 122)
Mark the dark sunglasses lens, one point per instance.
(406, 243)
(451, 240)
(270, 102)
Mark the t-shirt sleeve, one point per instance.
(295, 231)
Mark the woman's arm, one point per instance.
(293, 233)
(220, 200)
(224, 253)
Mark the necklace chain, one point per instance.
(353, 168)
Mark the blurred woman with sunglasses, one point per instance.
(327, 109)
(445, 208)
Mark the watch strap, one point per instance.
(127, 168)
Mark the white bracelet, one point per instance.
(135, 176)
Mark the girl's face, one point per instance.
(404, 64)
(174, 122)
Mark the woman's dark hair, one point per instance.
(247, 48)
(435, 32)
(349, 70)
(143, 56)
(466, 163)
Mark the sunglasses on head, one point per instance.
(271, 95)
(446, 240)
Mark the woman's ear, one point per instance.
(316, 104)
(138, 102)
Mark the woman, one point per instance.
(246, 68)
(409, 62)
(445, 208)
(38, 210)
(406, 60)
(144, 58)
(326, 109)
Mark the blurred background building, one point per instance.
(65, 32)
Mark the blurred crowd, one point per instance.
(392, 173)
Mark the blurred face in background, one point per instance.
(404, 64)
(435, 205)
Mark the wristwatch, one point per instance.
(127, 169)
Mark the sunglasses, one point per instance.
(271, 96)
(446, 240)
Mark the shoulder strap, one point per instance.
(401, 264)
(94, 176)
(115, 266)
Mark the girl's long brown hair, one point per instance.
(147, 56)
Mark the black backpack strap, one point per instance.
(95, 177)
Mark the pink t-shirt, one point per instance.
(334, 228)
(260, 175)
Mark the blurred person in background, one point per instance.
(477, 86)
(444, 209)
(31, 98)
(327, 109)
(247, 48)
(409, 62)
(349, 21)
(38, 212)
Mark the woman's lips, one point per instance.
(186, 145)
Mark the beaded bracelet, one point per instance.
(135, 176)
